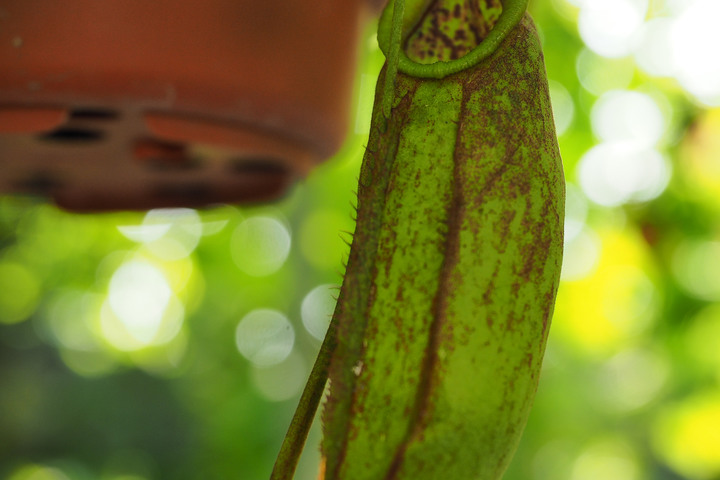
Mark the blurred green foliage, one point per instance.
(127, 351)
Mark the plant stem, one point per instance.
(302, 420)
(393, 55)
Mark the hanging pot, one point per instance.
(136, 104)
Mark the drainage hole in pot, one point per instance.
(183, 192)
(89, 113)
(165, 156)
(258, 166)
(165, 164)
(73, 135)
(38, 183)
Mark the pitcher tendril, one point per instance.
(512, 13)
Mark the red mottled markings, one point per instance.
(498, 167)
(451, 28)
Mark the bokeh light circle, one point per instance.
(317, 308)
(580, 256)
(38, 472)
(19, 292)
(651, 53)
(260, 245)
(632, 379)
(702, 339)
(67, 319)
(610, 27)
(562, 105)
(694, 40)
(576, 210)
(141, 309)
(606, 459)
(281, 381)
(265, 337)
(169, 233)
(627, 116)
(615, 173)
(696, 266)
(687, 435)
(592, 72)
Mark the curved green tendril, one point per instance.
(511, 15)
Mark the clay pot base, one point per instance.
(108, 158)
(133, 104)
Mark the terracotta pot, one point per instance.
(135, 104)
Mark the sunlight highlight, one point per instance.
(694, 48)
(169, 233)
(655, 43)
(612, 174)
(626, 166)
(610, 27)
(141, 310)
(628, 116)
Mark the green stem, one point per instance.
(302, 420)
(513, 11)
(393, 55)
